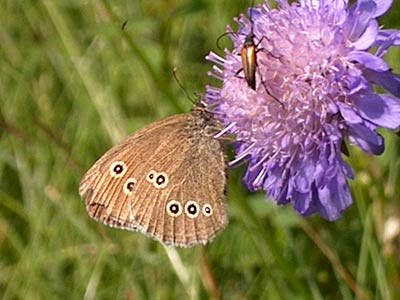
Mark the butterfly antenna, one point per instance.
(175, 74)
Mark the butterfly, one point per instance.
(167, 180)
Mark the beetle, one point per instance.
(248, 55)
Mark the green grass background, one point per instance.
(72, 84)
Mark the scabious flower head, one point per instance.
(321, 60)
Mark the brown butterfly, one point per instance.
(166, 180)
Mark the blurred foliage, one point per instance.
(74, 80)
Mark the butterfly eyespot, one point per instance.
(207, 210)
(174, 208)
(161, 180)
(129, 186)
(151, 176)
(118, 169)
(192, 209)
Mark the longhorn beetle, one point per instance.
(248, 55)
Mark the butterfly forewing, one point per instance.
(102, 191)
(166, 180)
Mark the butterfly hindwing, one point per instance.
(194, 181)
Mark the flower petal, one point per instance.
(368, 37)
(334, 198)
(387, 80)
(382, 7)
(382, 110)
(346, 169)
(386, 39)
(391, 35)
(369, 60)
(304, 177)
(349, 114)
(360, 15)
(368, 140)
(302, 202)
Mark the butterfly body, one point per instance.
(166, 180)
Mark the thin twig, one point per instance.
(334, 260)
(207, 276)
(180, 269)
(56, 137)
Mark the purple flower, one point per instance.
(321, 59)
